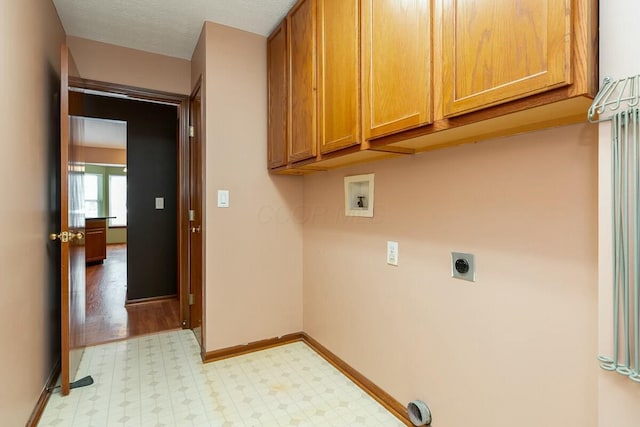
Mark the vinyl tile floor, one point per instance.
(160, 380)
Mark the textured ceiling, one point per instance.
(104, 133)
(168, 27)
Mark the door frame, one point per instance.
(196, 140)
(182, 104)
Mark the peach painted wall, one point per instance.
(516, 348)
(105, 62)
(253, 248)
(30, 40)
(619, 398)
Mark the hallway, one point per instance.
(107, 318)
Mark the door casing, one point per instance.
(196, 195)
(182, 104)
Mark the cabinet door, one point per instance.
(277, 82)
(396, 58)
(338, 74)
(95, 240)
(495, 51)
(302, 86)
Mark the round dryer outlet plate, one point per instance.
(463, 266)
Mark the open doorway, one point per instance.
(131, 179)
(110, 313)
(147, 268)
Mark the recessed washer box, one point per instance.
(463, 266)
(358, 195)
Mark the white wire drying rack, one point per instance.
(613, 95)
(618, 101)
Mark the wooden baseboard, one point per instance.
(44, 396)
(238, 350)
(381, 396)
(149, 300)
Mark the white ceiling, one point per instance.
(168, 27)
(103, 133)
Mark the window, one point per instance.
(118, 200)
(92, 183)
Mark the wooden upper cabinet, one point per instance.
(396, 61)
(277, 83)
(494, 51)
(338, 74)
(302, 87)
(393, 77)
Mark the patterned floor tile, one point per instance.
(159, 380)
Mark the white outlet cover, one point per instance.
(223, 198)
(159, 202)
(392, 253)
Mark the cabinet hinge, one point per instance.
(192, 131)
(191, 299)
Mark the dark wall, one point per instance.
(152, 152)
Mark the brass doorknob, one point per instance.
(78, 236)
(63, 236)
(195, 229)
(66, 236)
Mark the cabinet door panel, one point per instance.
(302, 88)
(396, 55)
(277, 80)
(495, 51)
(338, 73)
(95, 240)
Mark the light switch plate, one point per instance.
(223, 198)
(392, 253)
(159, 202)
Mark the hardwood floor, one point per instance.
(107, 319)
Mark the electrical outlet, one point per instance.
(392, 253)
(463, 266)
